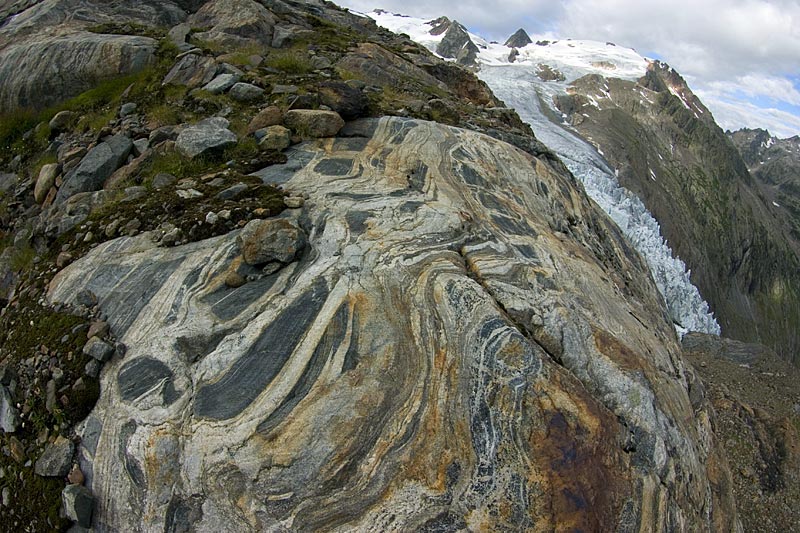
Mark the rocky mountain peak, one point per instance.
(439, 25)
(457, 44)
(519, 39)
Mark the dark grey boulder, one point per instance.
(98, 349)
(96, 167)
(349, 102)
(207, 136)
(191, 70)
(221, 83)
(245, 92)
(9, 417)
(78, 504)
(7, 182)
(264, 241)
(162, 179)
(519, 39)
(56, 459)
(232, 192)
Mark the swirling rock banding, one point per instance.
(465, 343)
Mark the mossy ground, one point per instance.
(28, 330)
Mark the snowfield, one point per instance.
(519, 86)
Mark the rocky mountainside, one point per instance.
(266, 266)
(757, 406)
(775, 164)
(669, 150)
(635, 134)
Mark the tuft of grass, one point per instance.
(290, 62)
(128, 28)
(22, 258)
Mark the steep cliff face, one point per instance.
(775, 164)
(429, 326)
(668, 149)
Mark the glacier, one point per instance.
(519, 86)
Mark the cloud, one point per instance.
(734, 51)
(733, 115)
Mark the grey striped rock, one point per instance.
(466, 343)
(96, 167)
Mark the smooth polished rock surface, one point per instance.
(466, 343)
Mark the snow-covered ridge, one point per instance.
(520, 86)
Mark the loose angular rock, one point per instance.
(78, 503)
(96, 167)
(45, 181)
(98, 349)
(350, 103)
(56, 459)
(312, 123)
(276, 138)
(127, 109)
(9, 416)
(192, 71)
(232, 192)
(245, 92)
(269, 116)
(62, 120)
(277, 239)
(221, 83)
(162, 180)
(206, 137)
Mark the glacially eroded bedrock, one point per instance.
(466, 344)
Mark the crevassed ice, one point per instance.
(517, 87)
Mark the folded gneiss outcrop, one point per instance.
(440, 332)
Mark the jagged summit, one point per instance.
(519, 39)
(439, 25)
(457, 44)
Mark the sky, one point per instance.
(741, 57)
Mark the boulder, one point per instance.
(269, 116)
(164, 133)
(191, 70)
(98, 349)
(78, 504)
(245, 92)
(9, 416)
(127, 109)
(277, 239)
(62, 120)
(350, 103)
(45, 181)
(232, 192)
(178, 34)
(206, 137)
(96, 167)
(7, 182)
(162, 179)
(276, 138)
(221, 83)
(56, 459)
(311, 123)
